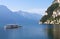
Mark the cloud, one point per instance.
(37, 11)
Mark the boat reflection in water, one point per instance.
(53, 31)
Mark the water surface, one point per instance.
(26, 32)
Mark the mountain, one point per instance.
(20, 17)
(6, 16)
(52, 15)
(29, 15)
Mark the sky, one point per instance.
(33, 6)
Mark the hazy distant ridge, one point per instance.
(20, 17)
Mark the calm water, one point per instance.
(25, 32)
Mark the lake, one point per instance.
(27, 32)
